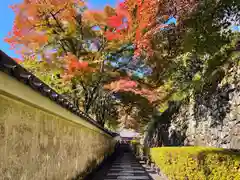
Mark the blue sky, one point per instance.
(7, 17)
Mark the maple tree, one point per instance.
(138, 21)
(125, 26)
(56, 25)
(100, 54)
(135, 22)
(60, 34)
(36, 21)
(55, 30)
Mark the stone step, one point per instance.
(128, 178)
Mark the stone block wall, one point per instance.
(212, 119)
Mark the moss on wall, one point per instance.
(197, 163)
(36, 144)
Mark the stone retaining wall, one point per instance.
(212, 119)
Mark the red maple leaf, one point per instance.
(115, 21)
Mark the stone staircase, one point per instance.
(126, 167)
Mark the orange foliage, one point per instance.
(139, 28)
(127, 85)
(35, 18)
(120, 24)
(75, 67)
(122, 84)
(139, 20)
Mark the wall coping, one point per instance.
(13, 69)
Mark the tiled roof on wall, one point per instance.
(9, 66)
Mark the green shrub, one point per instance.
(134, 141)
(135, 147)
(197, 163)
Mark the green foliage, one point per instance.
(157, 128)
(193, 73)
(105, 110)
(207, 28)
(163, 107)
(136, 147)
(139, 149)
(134, 141)
(191, 56)
(48, 74)
(195, 163)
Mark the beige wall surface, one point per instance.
(41, 140)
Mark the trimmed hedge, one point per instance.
(197, 163)
(136, 147)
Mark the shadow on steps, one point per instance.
(121, 164)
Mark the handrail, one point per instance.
(12, 68)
